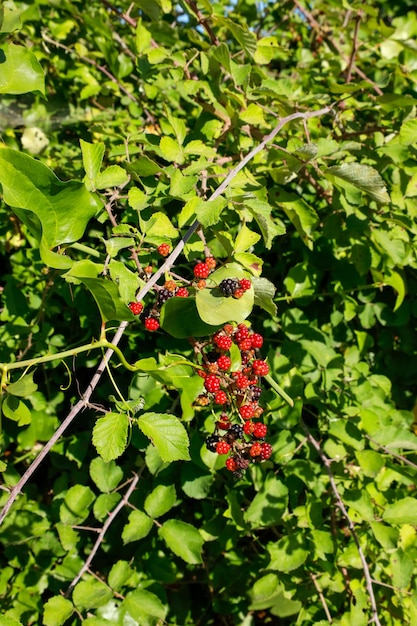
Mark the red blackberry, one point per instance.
(201, 270)
(260, 368)
(246, 411)
(241, 381)
(231, 464)
(224, 362)
(182, 292)
(164, 249)
(239, 293)
(260, 430)
(248, 428)
(220, 397)
(228, 286)
(266, 451)
(151, 323)
(245, 284)
(256, 340)
(228, 329)
(222, 447)
(255, 449)
(212, 383)
(211, 442)
(222, 341)
(136, 307)
(242, 333)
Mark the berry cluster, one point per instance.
(233, 287)
(237, 432)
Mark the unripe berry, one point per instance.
(242, 333)
(224, 362)
(245, 345)
(211, 262)
(201, 284)
(260, 430)
(171, 285)
(164, 249)
(222, 341)
(202, 400)
(266, 451)
(231, 464)
(248, 427)
(239, 293)
(148, 269)
(220, 397)
(256, 340)
(260, 368)
(245, 284)
(212, 383)
(242, 382)
(246, 411)
(182, 292)
(136, 307)
(201, 270)
(151, 323)
(255, 449)
(222, 447)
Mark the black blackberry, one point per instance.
(228, 286)
(164, 295)
(236, 430)
(211, 442)
(255, 392)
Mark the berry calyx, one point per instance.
(266, 451)
(231, 464)
(201, 270)
(220, 397)
(136, 307)
(224, 362)
(212, 383)
(222, 447)
(260, 368)
(164, 249)
(151, 323)
(182, 292)
(260, 430)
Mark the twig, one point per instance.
(355, 47)
(104, 529)
(169, 262)
(322, 598)
(399, 457)
(368, 578)
(203, 21)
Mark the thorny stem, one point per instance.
(104, 529)
(322, 598)
(170, 260)
(368, 579)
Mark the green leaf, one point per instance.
(110, 435)
(408, 133)
(245, 239)
(55, 212)
(160, 500)
(180, 318)
(242, 34)
(145, 607)
(266, 50)
(91, 594)
(288, 553)
(16, 410)
(270, 227)
(264, 295)
(208, 211)
(56, 611)
(21, 71)
(183, 539)
(167, 434)
(215, 309)
(105, 475)
(92, 159)
(104, 504)
(143, 37)
(119, 575)
(269, 504)
(402, 566)
(76, 505)
(171, 150)
(24, 387)
(301, 214)
(403, 511)
(106, 294)
(363, 177)
(138, 526)
(112, 176)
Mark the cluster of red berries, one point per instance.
(236, 433)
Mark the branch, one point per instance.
(123, 502)
(170, 260)
(203, 21)
(368, 578)
(355, 47)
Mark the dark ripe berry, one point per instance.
(246, 411)
(260, 368)
(231, 464)
(236, 431)
(201, 270)
(245, 284)
(182, 292)
(136, 307)
(245, 345)
(260, 430)
(211, 442)
(220, 397)
(222, 341)
(256, 340)
(242, 333)
(224, 362)
(211, 262)
(164, 295)
(242, 382)
(255, 449)
(228, 287)
(255, 393)
(238, 294)
(266, 451)
(248, 428)
(151, 323)
(222, 447)
(212, 383)
(164, 249)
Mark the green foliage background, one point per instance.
(118, 122)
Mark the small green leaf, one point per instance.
(167, 434)
(143, 37)
(23, 387)
(288, 553)
(171, 150)
(112, 176)
(183, 539)
(92, 159)
(119, 575)
(21, 71)
(91, 594)
(104, 504)
(245, 239)
(404, 511)
(138, 526)
(110, 435)
(16, 410)
(145, 607)
(363, 177)
(208, 211)
(56, 611)
(408, 133)
(160, 500)
(76, 505)
(105, 475)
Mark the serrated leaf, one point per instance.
(183, 539)
(119, 575)
(76, 505)
(160, 500)
(112, 176)
(145, 607)
(270, 227)
(363, 177)
(23, 387)
(105, 475)
(264, 294)
(167, 434)
(208, 211)
(91, 594)
(139, 526)
(110, 435)
(408, 133)
(56, 611)
(54, 212)
(214, 308)
(21, 71)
